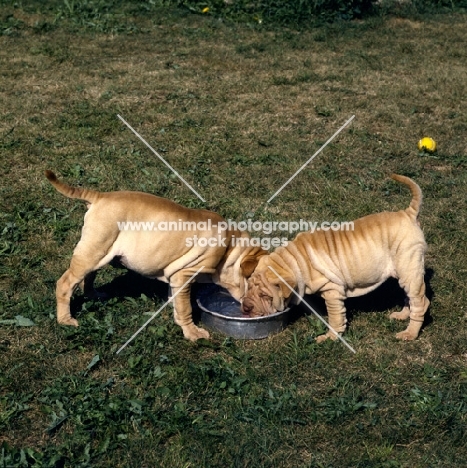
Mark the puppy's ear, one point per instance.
(248, 265)
(285, 290)
(280, 291)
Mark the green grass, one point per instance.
(236, 109)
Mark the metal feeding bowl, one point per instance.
(220, 312)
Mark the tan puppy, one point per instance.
(171, 255)
(341, 264)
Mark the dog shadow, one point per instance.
(129, 284)
(387, 296)
(133, 285)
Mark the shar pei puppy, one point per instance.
(171, 255)
(342, 264)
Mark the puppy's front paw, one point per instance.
(68, 321)
(406, 336)
(321, 338)
(330, 335)
(194, 333)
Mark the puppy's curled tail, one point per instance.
(90, 196)
(416, 203)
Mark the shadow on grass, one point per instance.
(388, 296)
(129, 284)
(133, 285)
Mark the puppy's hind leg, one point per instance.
(87, 257)
(65, 286)
(412, 281)
(419, 304)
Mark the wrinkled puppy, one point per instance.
(169, 255)
(341, 264)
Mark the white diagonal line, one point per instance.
(161, 158)
(313, 310)
(317, 152)
(157, 313)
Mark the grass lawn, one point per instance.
(236, 109)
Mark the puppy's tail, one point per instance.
(90, 196)
(416, 203)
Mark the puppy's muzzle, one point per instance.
(247, 306)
